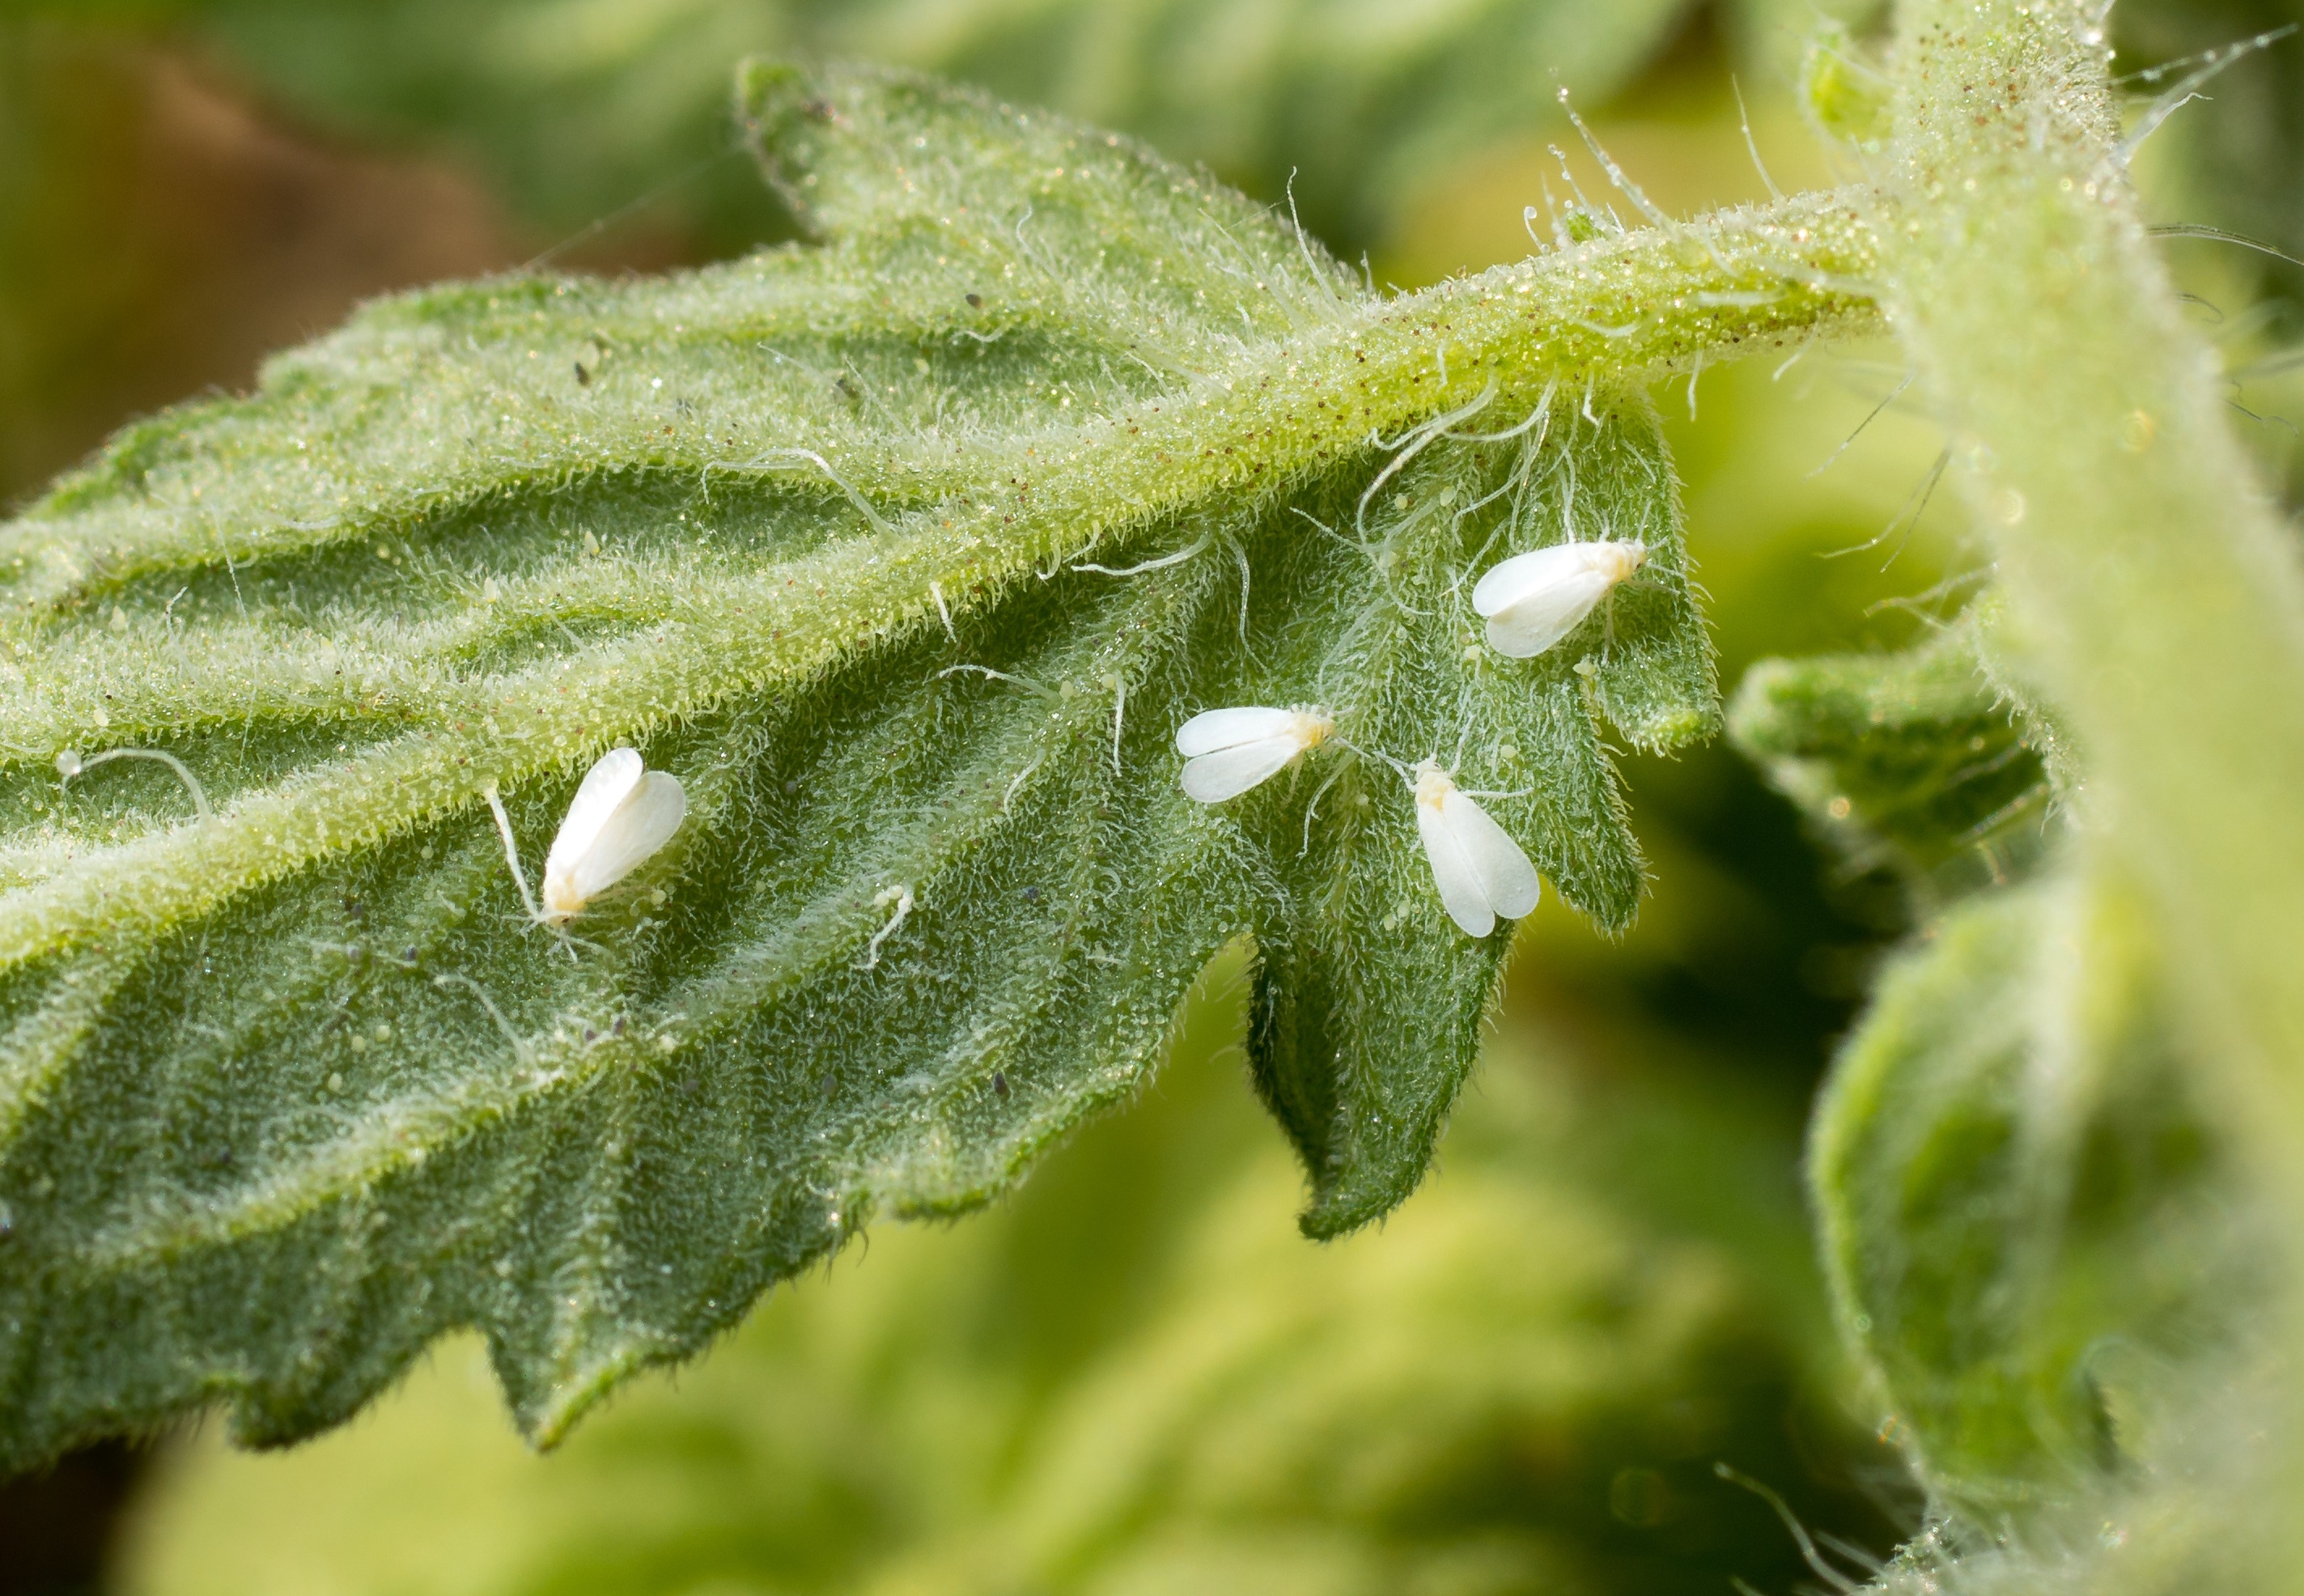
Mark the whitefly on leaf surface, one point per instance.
(1532, 600)
(1228, 751)
(1483, 875)
(621, 815)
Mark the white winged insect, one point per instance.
(622, 814)
(1532, 600)
(1482, 874)
(1227, 752)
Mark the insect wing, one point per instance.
(1509, 581)
(1215, 729)
(1453, 872)
(605, 786)
(1508, 881)
(1229, 772)
(1533, 623)
(635, 829)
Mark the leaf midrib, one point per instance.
(1818, 250)
(1077, 505)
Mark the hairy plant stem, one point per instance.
(2154, 593)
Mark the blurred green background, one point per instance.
(1134, 1377)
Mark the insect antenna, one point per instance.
(535, 916)
(512, 851)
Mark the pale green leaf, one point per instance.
(831, 534)
(1133, 1378)
(1914, 761)
(2028, 1224)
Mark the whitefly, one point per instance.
(1532, 600)
(1482, 874)
(1227, 752)
(622, 814)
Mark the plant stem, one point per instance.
(2153, 588)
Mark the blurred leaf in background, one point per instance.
(574, 107)
(158, 235)
(2241, 154)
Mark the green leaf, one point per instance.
(288, 1090)
(1913, 761)
(2028, 1225)
(1131, 1377)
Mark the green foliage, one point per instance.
(810, 529)
(853, 570)
(1908, 760)
(2027, 1221)
(1846, 97)
(1132, 1377)
(576, 110)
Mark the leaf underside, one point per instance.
(288, 1091)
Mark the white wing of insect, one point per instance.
(622, 814)
(1532, 600)
(1227, 752)
(1481, 872)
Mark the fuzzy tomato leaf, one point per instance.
(906, 551)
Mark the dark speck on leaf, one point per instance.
(618, 1028)
(1000, 1082)
(582, 376)
(410, 957)
(1031, 894)
(975, 301)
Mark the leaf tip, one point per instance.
(1338, 1209)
